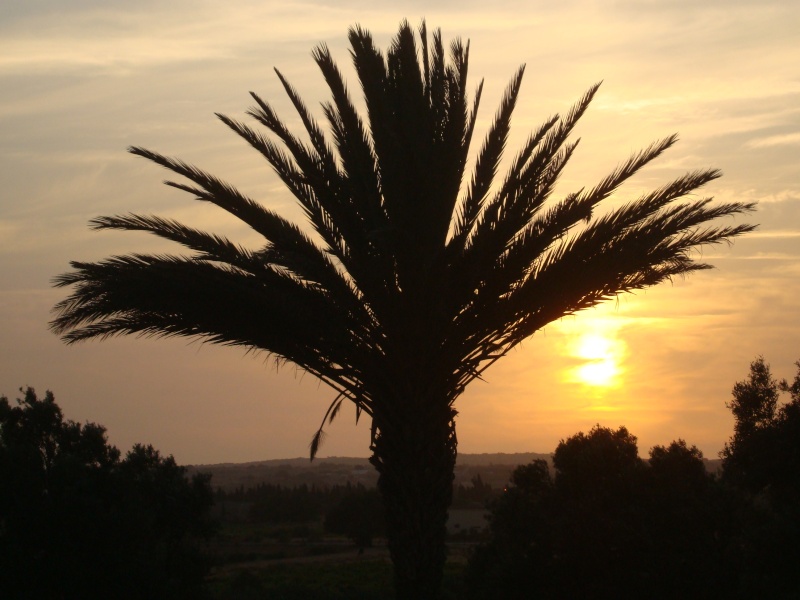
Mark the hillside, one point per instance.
(494, 469)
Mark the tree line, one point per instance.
(79, 521)
(610, 525)
(352, 510)
(275, 503)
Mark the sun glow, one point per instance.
(601, 368)
(597, 351)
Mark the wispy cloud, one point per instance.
(81, 80)
(784, 139)
(789, 233)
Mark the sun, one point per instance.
(600, 354)
(601, 368)
(594, 350)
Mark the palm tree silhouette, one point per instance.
(417, 280)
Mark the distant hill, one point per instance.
(494, 469)
(338, 470)
(498, 458)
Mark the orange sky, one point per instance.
(79, 86)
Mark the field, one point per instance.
(267, 562)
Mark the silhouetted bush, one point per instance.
(476, 495)
(76, 521)
(359, 515)
(609, 525)
(277, 504)
(761, 464)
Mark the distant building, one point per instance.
(360, 471)
(467, 520)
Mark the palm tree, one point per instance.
(416, 280)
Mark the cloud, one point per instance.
(781, 196)
(79, 81)
(119, 37)
(784, 139)
(774, 234)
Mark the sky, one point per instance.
(80, 81)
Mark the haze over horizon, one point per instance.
(78, 86)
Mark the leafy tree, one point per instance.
(689, 524)
(762, 462)
(750, 458)
(611, 525)
(275, 504)
(614, 528)
(598, 462)
(422, 275)
(788, 426)
(514, 564)
(76, 521)
(359, 516)
(164, 515)
(607, 526)
(580, 535)
(755, 400)
(474, 496)
(600, 520)
(678, 466)
(577, 535)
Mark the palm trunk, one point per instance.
(415, 457)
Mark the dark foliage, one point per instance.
(475, 495)
(608, 525)
(273, 504)
(688, 525)
(76, 521)
(762, 444)
(353, 580)
(276, 504)
(359, 516)
(761, 463)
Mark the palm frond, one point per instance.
(330, 415)
(423, 275)
(487, 163)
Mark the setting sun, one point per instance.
(660, 362)
(597, 350)
(601, 370)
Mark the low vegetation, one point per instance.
(610, 525)
(79, 521)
